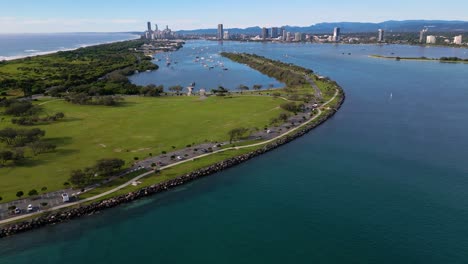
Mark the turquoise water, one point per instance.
(384, 181)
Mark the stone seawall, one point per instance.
(63, 216)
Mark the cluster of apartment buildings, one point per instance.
(158, 34)
(431, 39)
(281, 34)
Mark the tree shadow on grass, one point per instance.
(30, 162)
(125, 104)
(60, 141)
(70, 119)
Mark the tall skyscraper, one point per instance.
(336, 34)
(284, 33)
(381, 35)
(220, 35)
(274, 32)
(264, 33)
(149, 26)
(288, 36)
(458, 40)
(421, 35)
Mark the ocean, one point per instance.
(14, 46)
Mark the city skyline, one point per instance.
(98, 16)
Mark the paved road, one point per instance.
(66, 205)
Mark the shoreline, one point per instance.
(37, 53)
(54, 217)
(396, 58)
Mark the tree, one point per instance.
(243, 88)
(221, 91)
(79, 178)
(6, 155)
(33, 192)
(108, 166)
(21, 108)
(152, 90)
(43, 189)
(59, 115)
(176, 88)
(292, 107)
(237, 133)
(39, 147)
(257, 86)
(8, 135)
(19, 194)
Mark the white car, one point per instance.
(179, 158)
(65, 197)
(17, 211)
(30, 208)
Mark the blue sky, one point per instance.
(126, 15)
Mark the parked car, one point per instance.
(65, 197)
(30, 208)
(179, 158)
(17, 211)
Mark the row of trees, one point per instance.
(34, 120)
(20, 137)
(15, 107)
(290, 74)
(26, 112)
(102, 169)
(85, 99)
(18, 140)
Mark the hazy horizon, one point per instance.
(54, 16)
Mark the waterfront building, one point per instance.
(288, 36)
(226, 35)
(274, 32)
(458, 40)
(336, 34)
(431, 40)
(284, 34)
(381, 37)
(264, 33)
(220, 35)
(298, 37)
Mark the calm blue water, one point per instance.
(14, 46)
(384, 181)
(201, 63)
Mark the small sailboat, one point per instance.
(391, 96)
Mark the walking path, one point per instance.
(16, 218)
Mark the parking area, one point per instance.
(38, 203)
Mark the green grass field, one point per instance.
(139, 127)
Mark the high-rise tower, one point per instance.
(220, 35)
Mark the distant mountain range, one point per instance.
(353, 27)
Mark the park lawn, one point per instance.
(137, 128)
